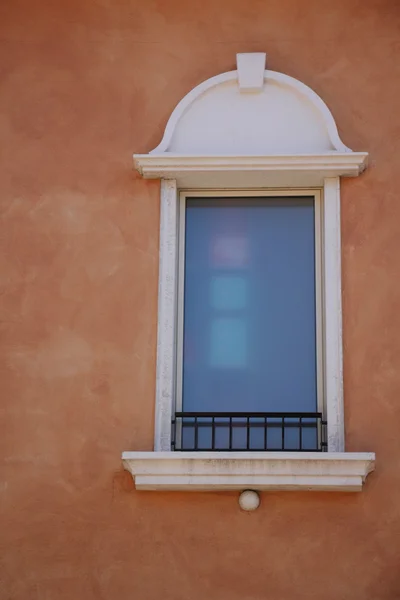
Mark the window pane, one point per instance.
(228, 343)
(249, 308)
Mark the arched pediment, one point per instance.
(251, 119)
(282, 116)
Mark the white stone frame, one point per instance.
(322, 163)
(169, 278)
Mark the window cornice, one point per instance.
(287, 170)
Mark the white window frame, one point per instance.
(316, 194)
(328, 303)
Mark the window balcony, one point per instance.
(249, 432)
(264, 451)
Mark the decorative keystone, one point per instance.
(250, 68)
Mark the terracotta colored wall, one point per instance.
(83, 85)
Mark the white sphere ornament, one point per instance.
(249, 500)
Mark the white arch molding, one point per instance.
(283, 102)
(248, 129)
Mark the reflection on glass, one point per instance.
(228, 344)
(229, 251)
(227, 292)
(249, 311)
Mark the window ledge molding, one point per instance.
(278, 170)
(224, 471)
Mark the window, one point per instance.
(249, 379)
(249, 363)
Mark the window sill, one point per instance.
(277, 471)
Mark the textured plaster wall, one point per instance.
(83, 85)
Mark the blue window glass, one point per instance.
(249, 305)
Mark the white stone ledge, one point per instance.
(250, 171)
(213, 471)
(159, 165)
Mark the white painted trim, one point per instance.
(162, 165)
(316, 194)
(251, 71)
(219, 471)
(297, 170)
(274, 76)
(333, 316)
(319, 300)
(180, 302)
(250, 193)
(166, 335)
(330, 353)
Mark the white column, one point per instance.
(333, 315)
(166, 334)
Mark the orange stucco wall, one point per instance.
(84, 84)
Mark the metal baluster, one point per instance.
(212, 433)
(324, 446)
(265, 432)
(283, 433)
(173, 434)
(301, 433)
(322, 435)
(317, 435)
(196, 433)
(230, 433)
(248, 433)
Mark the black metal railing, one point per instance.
(253, 431)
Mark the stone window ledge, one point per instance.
(276, 471)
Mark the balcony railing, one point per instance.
(253, 431)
